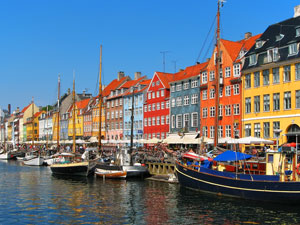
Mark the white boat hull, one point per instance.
(37, 161)
(4, 156)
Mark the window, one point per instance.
(117, 102)
(227, 131)
(153, 94)
(173, 88)
(179, 121)
(149, 95)
(276, 127)
(270, 55)
(107, 115)
(149, 107)
(287, 100)
(247, 130)
(162, 93)
(178, 101)
(227, 72)
(112, 103)
(259, 44)
(227, 110)
(212, 93)
(153, 121)
(287, 73)
(293, 49)
(112, 115)
(194, 99)
(204, 112)
(228, 90)
(275, 72)
(121, 101)
(276, 55)
(221, 92)
(220, 110)
(266, 103)
(204, 78)
(108, 105)
(178, 87)
(220, 131)
(247, 105)
(157, 83)
(157, 94)
(256, 104)
(266, 78)
(145, 122)
(158, 120)
(162, 120)
(194, 119)
(257, 130)
(266, 130)
(117, 114)
(236, 109)
(236, 70)
(212, 112)
(204, 95)
(297, 96)
(173, 121)
(276, 101)
(256, 79)
(153, 107)
(204, 131)
(297, 71)
(236, 89)
(297, 31)
(173, 102)
(186, 85)
(167, 104)
(248, 81)
(158, 106)
(186, 100)
(252, 60)
(167, 119)
(212, 75)
(212, 132)
(186, 119)
(162, 105)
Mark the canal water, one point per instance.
(32, 195)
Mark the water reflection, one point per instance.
(32, 195)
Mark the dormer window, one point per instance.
(293, 49)
(297, 31)
(279, 37)
(259, 43)
(252, 59)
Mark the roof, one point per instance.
(131, 83)
(37, 114)
(190, 71)
(165, 78)
(145, 82)
(82, 104)
(25, 108)
(113, 85)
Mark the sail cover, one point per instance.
(232, 156)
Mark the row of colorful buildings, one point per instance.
(259, 96)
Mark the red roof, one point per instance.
(146, 82)
(37, 114)
(165, 78)
(113, 85)
(83, 103)
(131, 83)
(190, 71)
(23, 110)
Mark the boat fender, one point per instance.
(298, 169)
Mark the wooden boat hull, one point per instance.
(111, 174)
(73, 169)
(261, 190)
(36, 161)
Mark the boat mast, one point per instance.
(74, 130)
(100, 101)
(217, 81)
(131, 128)
(58, 112)
(47, 128)
(32, 124)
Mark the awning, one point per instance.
(232, 156)
(253, 140)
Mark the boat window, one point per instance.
(254, 166)
(270, 158)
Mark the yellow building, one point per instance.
(271, 85)
(55, 126)
(27, 121)
(33, 132)
(96, 119)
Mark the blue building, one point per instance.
(139, 93)
(185, 100)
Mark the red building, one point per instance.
(232, 58)
(156, 107)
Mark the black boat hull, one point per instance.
(73, 169)
(271, 191)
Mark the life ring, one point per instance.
(298, 169)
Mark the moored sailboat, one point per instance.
(280, 183)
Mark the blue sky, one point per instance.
(40, 39)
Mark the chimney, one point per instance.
(9, 109)
(18, 110)
(297, 11)
(207, 60)
(137, 75)
(180, 70)
(248, 35)
(83, 92)
(121, 74)
(69, 91)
